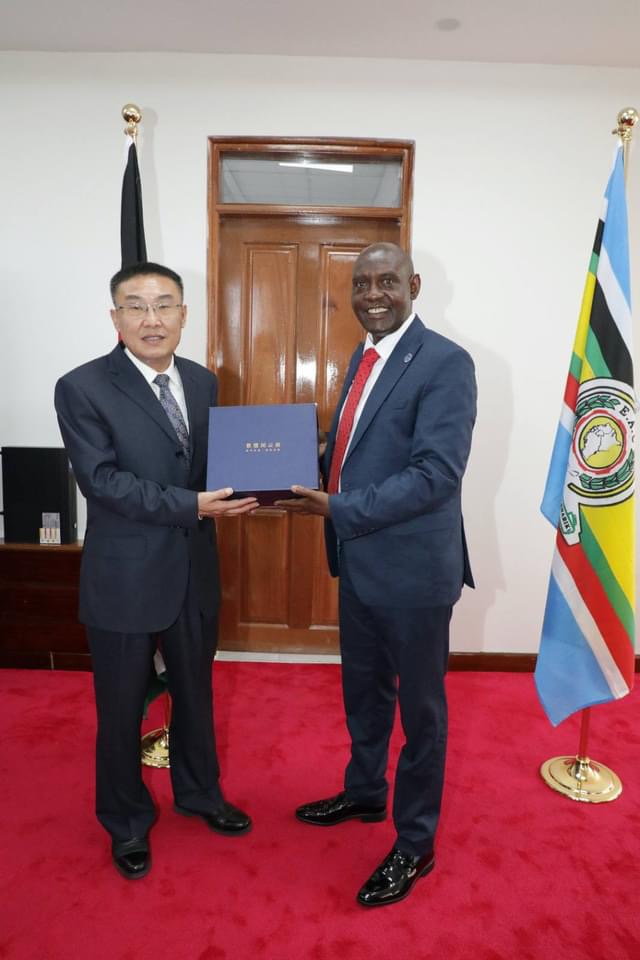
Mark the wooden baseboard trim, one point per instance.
(500, 662)
(496, 662)
(491, 662)
(44, 660)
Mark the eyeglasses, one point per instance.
(140, 309)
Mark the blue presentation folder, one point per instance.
(261, 451)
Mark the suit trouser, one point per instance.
(122, 665)
(394, 654)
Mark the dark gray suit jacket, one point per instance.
(398, 517)
(143, 535)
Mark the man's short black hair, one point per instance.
(144, 269)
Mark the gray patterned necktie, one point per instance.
(172, 410)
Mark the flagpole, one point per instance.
(154, 746)
(133, 246)
(579, 777)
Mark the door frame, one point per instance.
(356, 149)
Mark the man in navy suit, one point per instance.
(135, 425)
(395, 458)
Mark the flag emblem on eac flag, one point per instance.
(600, 463)
(587, 648)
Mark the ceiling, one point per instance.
(587, 32)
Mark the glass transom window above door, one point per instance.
(322, 181)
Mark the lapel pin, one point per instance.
(408, 356)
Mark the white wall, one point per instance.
(511, 163)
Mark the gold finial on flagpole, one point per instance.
(132, 115)
(626, 120)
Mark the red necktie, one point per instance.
(367, 362)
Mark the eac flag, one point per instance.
(587, 649)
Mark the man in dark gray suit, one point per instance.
(395, 458)
(134, 424)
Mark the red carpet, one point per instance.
(521, 872)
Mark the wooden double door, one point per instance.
(285, 334)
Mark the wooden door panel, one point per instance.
(285, 335)
(265, 592)
(269, 322)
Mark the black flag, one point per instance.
(132, 242)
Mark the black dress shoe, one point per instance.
(395, 877)
(227, 819)
(326, 813)
(132, 858)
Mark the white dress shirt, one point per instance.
(175, 382)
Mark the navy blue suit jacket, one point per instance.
(143, 537)
(397, 520)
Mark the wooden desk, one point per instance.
(39, 607)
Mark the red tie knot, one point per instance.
(369, 357)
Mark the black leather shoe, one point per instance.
(132, 858)
(326, 813)
(395, 877)
(227, 819)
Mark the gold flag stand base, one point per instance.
(580, 778)
(154, 746)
